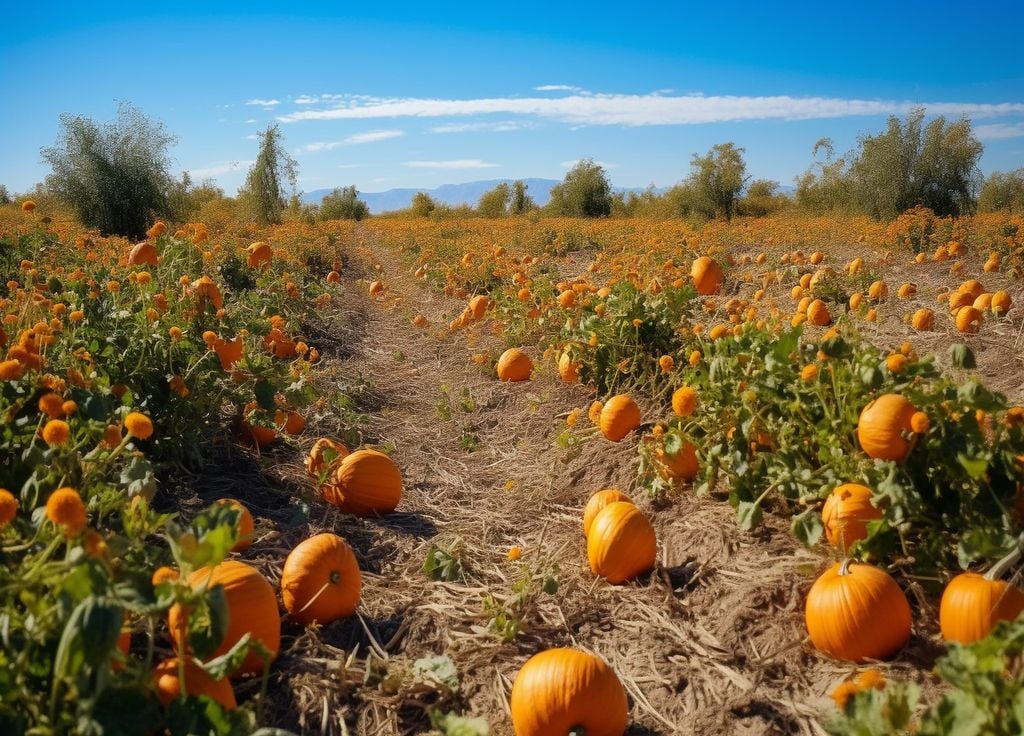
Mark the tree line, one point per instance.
(116, 178)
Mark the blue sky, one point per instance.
(420, 94)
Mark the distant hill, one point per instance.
(450, 194)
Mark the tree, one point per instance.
(585, 192)
(115, 176)
(521, 201)
(826, 185)
(343, 203)
(717, 179)
(264, 190)
(494, 203)
(422, 205)
(5, 196)
(913, 164)
(762, 198)
(1003, 192)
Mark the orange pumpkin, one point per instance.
(320, 581)
(883, 426)
(923, 320)
(681, 466)
(621, 543)
(562, 691)
(260, 435)
(229, 351)
(197, 682)
(1001, 302)
(707, 276)
(325, 453)
(684, 401)
(478, 306)
(258, 254)
(847, 511)
(377, 287)
(245, 524)
(252, 609)
(143, 254)
(514, 365)
(973, 604)
(365, 483)
(857, 612)
(972, 287)
(568, 369)
(969, 320)
(818, 314)
(597, 502)
(619, 416)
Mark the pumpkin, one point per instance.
(619, 416)
(260, 435)
(882, 426)
(252, 609)
(562, 691)
(568, 369)
(973, 604)
(1001, 302)
(878, 291)
(923, 320)
(707, 276)
(818, 314)
(478, 306)
(197, 682)
(906, 291)
(514, 365)
(245, 524)
(969, 320)
(857, 612)
(259, 253)
(365, 483)
(597, 502)
(681, 466)
(229, 351)
(972, 287)
(983, 302)
(143, 254)
(208, 293)
(847, 511)
(320, 581)
(621, 543)
(325, 453)
(684, 401)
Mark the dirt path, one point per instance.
(711, 642)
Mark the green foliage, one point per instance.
(520, 202)
(717, 179)
(115, 176)
(343, 203)
(986, 697)
(585, 192)
(5, 196)
(263, 195)
(762, 198)
(495, 203)
(423, 205)
(509, 614)
(826, 186)
(1003, 192)
(445, 563)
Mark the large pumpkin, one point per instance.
(166, 679)
(252, 609)
(619, 416)
(143, 254)
(597, 502)
(561, 691)
(707, 276)
(621, 543)
(857, 612)
(320, 580)
(847, 511)
(681, 466)
(514, 365)
(818, 314)
(568, 369)
(884, 428)
(365, 483)
(972, 605)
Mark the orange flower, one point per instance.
(64, 508)
(695, 358)
(94, 544)
(175, 333)
(56, 432)
(574, 416)
(666, 363)
(112, 436)
(809, 372)
(164, 574)
(10, 370)
(594, 413)
(51, 405)
(69, 408)
(76, 316)
(8, 507)
(514, 553)
(919, 422)
(138, 425)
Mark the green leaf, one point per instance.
(962, 356)
(808, 527)
(222, 666)
(208, 622)
(976, 467)
(138, 478)
(264, 392)
(748, 515)
(128, 711)
(437, 670)
(89, 636)
(451, 724)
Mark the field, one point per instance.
(154, 380)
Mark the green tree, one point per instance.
(343, 203)
(1003, 192)
(494, 203)
(115, 176)
(827, 184)
(935, 165)
(422, 205)
(264, 192)
(717, 179)
(585, 192)
(762, 198)
(521, 202)
(5, 196)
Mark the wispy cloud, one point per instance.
(350, 166)
(370, 136)
(558, 88)
(644, 109)
(461, 163)
(999, 131)
(218, 168)
(504, 126)
(306, 100)
(602, 164)
(266, 104)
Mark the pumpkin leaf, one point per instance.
(264, 392)
(748, 515)
(976, 467)
(808, 527)
(451, 724)
(437, 670)
(208, 622)
(89, 635)
(220, 667)
(962, 356)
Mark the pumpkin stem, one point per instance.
(844, 569)
(999, 569)
(577, 731)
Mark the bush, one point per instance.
(343, 203)
(585, 192)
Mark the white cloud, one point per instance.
(350, 166)
(251, 137)
(370, 136)
(461, 163)
(645, 109)
(558, 88)
(305, 100)
(602, 164)
(999, 131)
(263, 103)
(250, 121)
(218, 168)
(499, 127)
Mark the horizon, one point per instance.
(368, 100)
